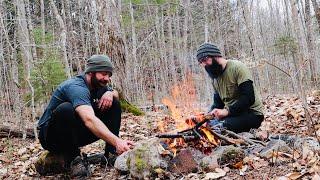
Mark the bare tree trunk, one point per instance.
(63, 36)
(24, 39)
(301, 89)
(205, 12)
(95, 24)
(317, 11)
(82, 33)
(134, 45)
(43, 22)
(30, 26)
(310, 42)
(111, 41)
(247, 20)
(171, 58)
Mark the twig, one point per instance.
(230, 140)
(250, 141)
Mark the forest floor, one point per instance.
(284, 114)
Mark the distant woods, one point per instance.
(152, 44)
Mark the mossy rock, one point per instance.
(142, 161)
(232, 155)
(127, 107)
(49, 163)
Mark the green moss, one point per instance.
(139, 161)
(128, 162)
(231, 156)
(127, 107)
(140, 164)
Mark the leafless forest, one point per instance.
(152, 44)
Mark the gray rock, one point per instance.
(297, 142)
(307, 142)
(246, 135)
(231, 155)
(222, 155)
(254, 149)
(196, 154)
(142, 160)
(275, 146)
(289, 139)
(121, 162)
(209, 163)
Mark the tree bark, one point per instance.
(63, 40)
(299, 85)
(317, 11)
(310, 42)
(111, 41)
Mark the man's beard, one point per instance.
(214, 70)
(96, 84)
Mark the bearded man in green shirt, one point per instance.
(237, 104)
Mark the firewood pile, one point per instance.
(202, 137)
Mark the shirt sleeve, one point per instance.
(78, 95)
(245, 100)
(217, 102)
(243, 74)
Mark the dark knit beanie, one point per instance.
(99, 63)
(208, 49)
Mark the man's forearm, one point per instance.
(99, 129)
(217, 102)
(115, 94)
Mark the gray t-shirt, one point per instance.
(74, 91)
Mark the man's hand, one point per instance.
(220, 113)
(123, 145)
(105, 101)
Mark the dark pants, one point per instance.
(66, 132)
(243, 122)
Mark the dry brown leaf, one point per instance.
(262, 135)
(4, 159)
(219, 173)
(314, 169)
(316, 177)
(159, 171)
(282, 178)
(22, 151)
(294, 175)
(238, 165)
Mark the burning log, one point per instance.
(191, 133)
(196, 131)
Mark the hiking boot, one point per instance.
(50, 163)
(79, 168)
(110, 158)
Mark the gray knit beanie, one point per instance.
(99, 63)
(208, 49)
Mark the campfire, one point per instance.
(190, 125)
(196, 135)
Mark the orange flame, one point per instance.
(182, 101)
(209, 136)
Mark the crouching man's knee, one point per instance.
(116, 105)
